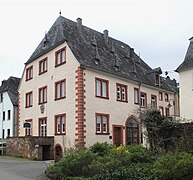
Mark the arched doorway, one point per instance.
(58, 152)
(132, 131)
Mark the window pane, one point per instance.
(98, 88)
(63, 56)
(58, 58)
(104, 124)
(98, 124)
(118, 93)
(63, 88)
(63, 124)
(136, 96)
(104, 89)
(58, 90)
(123, 93)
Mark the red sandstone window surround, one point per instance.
(43, 126)
(166, 97)
(60, 57)
(102, 123)
(102, 88)
(161, 110)
(29, 99)
(60, 124)
(29, 73)
(136, 95)
(43, 95)
(143, 99)
(60, 89)
(167, 110)
(153, 101)
(28, 131)
(43, 66)
(122, 92)
(160, 96)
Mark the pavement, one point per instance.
(12, 168)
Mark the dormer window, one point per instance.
(157, 80)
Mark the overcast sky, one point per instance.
(157, 29)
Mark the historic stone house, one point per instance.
(82, 86)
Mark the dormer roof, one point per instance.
(84, 50)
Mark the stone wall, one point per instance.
(31, 147)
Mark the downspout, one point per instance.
(82, 68)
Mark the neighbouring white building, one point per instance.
(9, 107)
(185, 71)
(81, 86)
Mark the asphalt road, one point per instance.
(21, 169)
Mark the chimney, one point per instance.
(79, 23)
(105, 35)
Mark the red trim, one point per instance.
(60, 82)
(58, 145)
(166, 97)
(121, 92)
(39, 120)
(102, 114)
(145, 95)
(29, 73)
(56, 54)
(27, 99)
(44, 63)
(167, 111)
(161, 108)
(39, 96)
(27, 130)
(101, 89)
(121, 138)
(60, 115)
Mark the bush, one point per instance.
(101, 149)
(174, 166)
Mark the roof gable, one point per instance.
(96, 50)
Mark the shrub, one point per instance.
(101, 149)
(174, 166)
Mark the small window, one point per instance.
(42, 126)
(60, 89)
(160, 96)
(136, 95)
(60, 57)
(161, 110)
(3, 115)
(1, 98)
(143, 99)
(29, 73)
(166, 97)
(121, 92)
(43, 95)
(60, 124)
(157, 79)
(3, 133)
(9, 114)
(153, 101)
(102, 89)
(43, 66)
(29, 99)
(102, 124)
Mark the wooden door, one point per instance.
(117, 135)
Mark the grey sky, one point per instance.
(157, 29)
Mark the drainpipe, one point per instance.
(82, 68)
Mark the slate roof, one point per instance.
(92, 51)
(10, 85)
(188, 60)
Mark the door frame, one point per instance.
(121, 137)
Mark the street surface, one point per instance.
(21, 169)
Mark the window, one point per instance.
(43, 65)
(166, 97)
(160, 96)
(29, 73)
(29, 99)
(121, 92)
(167, 110)
(157, 79)
(161, 110)
(42, 127)
(60, 89)
(9, 114)
(28, 130)
(60, 57)
(153, 101)
(60, 124)
(3, 115)
(1, 98)
(102, 89)
(3, 133)
(43, 95)
(102, 123)
(143, 99)
(136, 95)
(132, 132)
(8, 132)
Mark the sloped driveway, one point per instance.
(21, 169)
